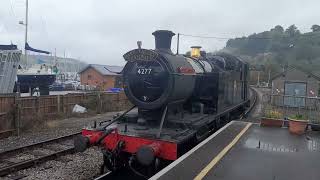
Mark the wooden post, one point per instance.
(116, 103)
(99, 103)
(63, 103)
(103, 109)
(38, 108)
(17, 113)
(58, 104)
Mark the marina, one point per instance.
(172, 90)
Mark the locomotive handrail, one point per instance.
(162, 120)
(119, 117)
(106, 133)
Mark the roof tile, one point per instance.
(104, 69)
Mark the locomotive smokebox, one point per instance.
(156, 78)
(163, 40)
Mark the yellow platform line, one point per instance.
(215, 160)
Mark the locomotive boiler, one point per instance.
(179, 100)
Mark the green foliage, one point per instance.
(298, 117)
(315, 28)
(274, 114)
(292, 31)
(280, 47)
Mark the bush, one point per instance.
(274, 114)
(298, 117)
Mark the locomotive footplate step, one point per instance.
(243, 150)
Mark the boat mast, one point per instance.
(55, 57)
(26, 35)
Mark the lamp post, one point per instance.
(26, 33)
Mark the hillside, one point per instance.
(279, 47)
(64, 64)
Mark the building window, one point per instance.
(89, 77)
(295, 94)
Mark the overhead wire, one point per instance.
(205, 37)
(227, 38)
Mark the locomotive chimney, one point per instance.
(163, 40)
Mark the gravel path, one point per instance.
(74, 166)
(79, 166)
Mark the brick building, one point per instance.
(103, 77)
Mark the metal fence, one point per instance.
(287, 105)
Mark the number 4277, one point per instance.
(144, 71)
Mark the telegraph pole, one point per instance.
(258, 82)
(269, 76)
(178, 39)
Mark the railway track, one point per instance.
(27, 156)
(254, 101)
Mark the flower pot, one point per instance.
(297, 126)
(271, 122)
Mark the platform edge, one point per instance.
(170, 166)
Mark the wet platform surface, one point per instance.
(260, 153)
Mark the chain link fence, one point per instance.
(287, 105)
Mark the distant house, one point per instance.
(295, 86)
(103, 77)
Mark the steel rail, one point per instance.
(255, 99)
(13, 167)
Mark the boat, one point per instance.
(9, 62)
(37, 78)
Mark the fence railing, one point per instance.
(24, 112)
(288, 105)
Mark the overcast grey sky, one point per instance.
(101, 31)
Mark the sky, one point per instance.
(101, 31)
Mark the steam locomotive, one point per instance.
(179, 100)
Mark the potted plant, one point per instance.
(272, 118)
(297, 124)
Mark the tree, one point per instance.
(280, 47)
(315, 28)
(278, 29)
(292, 30)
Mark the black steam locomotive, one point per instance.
(178, 101)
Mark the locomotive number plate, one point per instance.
(140, 55)
(143, 71)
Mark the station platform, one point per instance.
(242, 150)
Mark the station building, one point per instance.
(294, 86)
(103, 77)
